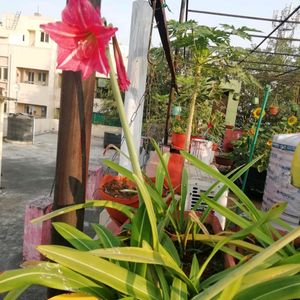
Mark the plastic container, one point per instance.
(279, 187)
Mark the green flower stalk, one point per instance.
(127, 133)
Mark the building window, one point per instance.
(3, 73)
(23, 37)
(42, 78)
(30, 77)
(44, 37)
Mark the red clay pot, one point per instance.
(101, 193)
(273, 110)
(231, 135)
(178, 140)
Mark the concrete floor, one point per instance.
(28, 174)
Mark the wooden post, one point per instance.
(74, 135)
(137, 72)
(1, 133)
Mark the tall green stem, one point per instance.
(127, 133)
(192, 108)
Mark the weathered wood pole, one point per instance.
(137, 72)
(74, 136)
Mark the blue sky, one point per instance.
(118, 12)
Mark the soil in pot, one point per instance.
(202, 252)
(118, 189)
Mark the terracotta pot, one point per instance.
(215, 147)
(273, 110)
(101, 193)
(231, 135)
(178, 140)
(175, 166)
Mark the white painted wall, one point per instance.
(48, 125)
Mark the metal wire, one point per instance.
(269, 35)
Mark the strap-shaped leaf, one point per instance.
(54, 276)
(125, 209)
(268, 274)
(150, 209)
(244, 269)
(103, 271)
(106, 237)
(277, 289)
(178, 290)
(75, 237)
(15, 293)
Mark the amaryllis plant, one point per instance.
(83, 45)
(82, 39)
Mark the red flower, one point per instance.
(210, 125)
(122, 76)
(81, 38)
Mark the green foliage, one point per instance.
(271, 125)
(150, 265)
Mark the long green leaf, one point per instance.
(241, 271)
(121, 170)
(164, 165)
(168, 244)
(271, 214)
(160, 174)
(268, 274)
(106, 238)
(150, 209)
(229, 292)
(283, 288)
(179, 290)
(127, 210)
(75, 237)
(240, 221)
(103, 271)
(183, 197)
(53, 276)
(16, 293)
(218, 176)
(140, 255)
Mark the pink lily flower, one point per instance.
(81, 38)
(121, 72)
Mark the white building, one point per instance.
(28, 72)
(27, 66)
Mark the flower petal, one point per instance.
(122, 76)
(64, 35)
(81, 14)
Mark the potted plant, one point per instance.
(274, 107)
(178, 133)
(109, 266)
(144, 263)
(117, 189)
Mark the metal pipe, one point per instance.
(276, 53)
(239, 16)
(252, 148)
(274, 37)
(267, 63)
(278, 26)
